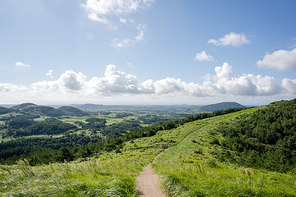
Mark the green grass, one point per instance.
(189, 168)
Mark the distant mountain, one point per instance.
(220, 106)
(72, 111)
(41, 110)
(4, 110)
(91, 106)
(20, 106)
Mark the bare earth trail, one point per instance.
(147, 182)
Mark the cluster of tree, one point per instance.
(70, 147)
(263, 139)
(119, 129)
(123, 115)
(93, 124)
(4, 110)
(13, 150)
(42, 110)
(23, 126)
(72, 111)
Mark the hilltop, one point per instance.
(220, 106)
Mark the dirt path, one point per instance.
(147, 182)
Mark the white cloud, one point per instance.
(203, 56)
(121, 43)
(232, 39)
(281, 60)
(20, 64)
(102, 10)
(98, 10)
(141, 30)
(130, 65)
(126, 42)
(123, 20)
(49, 73)
(9, 87)
(289, 85)
(118, 83)
(71, 81)
(45, 85)
(113, 82)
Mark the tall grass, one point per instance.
(190, 169)
(109, 175)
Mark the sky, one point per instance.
(147, 51)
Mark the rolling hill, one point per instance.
(220, 106)
(72, 111)
(4, 110)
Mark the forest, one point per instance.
(264, 139)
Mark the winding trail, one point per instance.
(147, 182)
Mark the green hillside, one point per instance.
(72, 111)
(23, 105)
(41, 110)
(220, 106)
(4, 110)
(203, 159)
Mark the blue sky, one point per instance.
(147, 51)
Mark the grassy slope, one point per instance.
(107, 174)
(189, 169)
(186, 169)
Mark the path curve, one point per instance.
(147, 182)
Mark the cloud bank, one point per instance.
(116, 83)
(232, 39)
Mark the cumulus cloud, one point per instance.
(20, 64)
(49, 73)
(115, 82)
(289, 85)
(246, 84)
(69, 81)
(281, 60)
(98, 10)
(232, 39)
(9, 87)
(203, 56)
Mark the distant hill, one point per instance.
(90, 106)
(220, 106)
(20, 106)
(42, 110)
(72, 111)
(4, 110)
